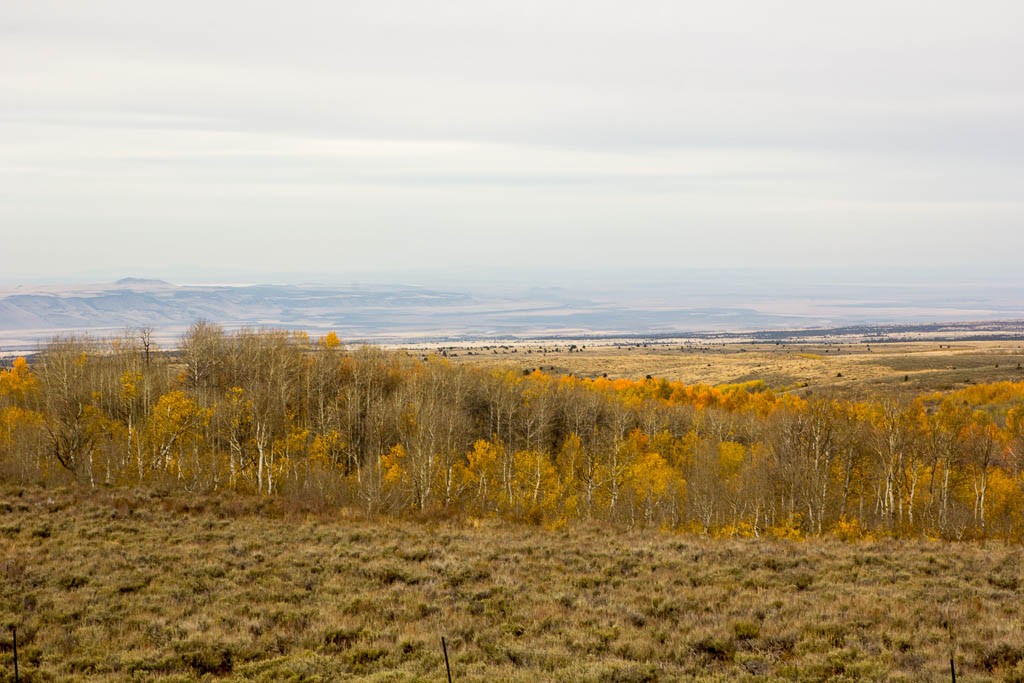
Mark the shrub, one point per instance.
(341, 639)
(207, 658)
(630, 674)
(719, 649)
(1003, 580)
(72, 582)
(746, 630)
(1000, 656)
(848, 529)
(802, 581)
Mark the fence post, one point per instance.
(447, 667)
(14, 639)
(952, 650)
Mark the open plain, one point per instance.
(854, 368)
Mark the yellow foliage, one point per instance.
(788, 529)
(674, 450)
(482, 458)
(752, 387)
(330, 340)
(19, 381)
(994, 393)
(944, 461)
(535, 484)
(570, 457)
(649, 476)
(172, 418)
(13, 419)
(740, 529)
(393, 464)
(480, 475)
(130, 385)
(173, 412)
(324, 449)
(1004, 492)
(850, 530)
(730, 457)
(557, 522)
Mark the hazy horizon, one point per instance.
(465, 306)
(567, 277)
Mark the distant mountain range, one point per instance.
(402, 313)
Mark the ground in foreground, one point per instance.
(125, 585)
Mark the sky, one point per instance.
(220, 140)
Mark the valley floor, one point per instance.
(851, 369)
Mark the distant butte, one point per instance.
(141, 282)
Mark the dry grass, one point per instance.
(852, 370)
(133, 586)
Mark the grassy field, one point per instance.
(121, 585)
(853, 370)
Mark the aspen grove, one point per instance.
(274, 413)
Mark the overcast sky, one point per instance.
(164, 139)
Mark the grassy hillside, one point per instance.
(130, 585)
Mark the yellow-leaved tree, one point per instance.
(535, 488)
(330, 340)
(481, 476)
(170, 436)
(655, 486)
(18, 382)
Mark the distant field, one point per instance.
(854, 370)
(114, 586)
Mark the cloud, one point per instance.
(388, 134)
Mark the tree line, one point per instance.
(274, 413)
